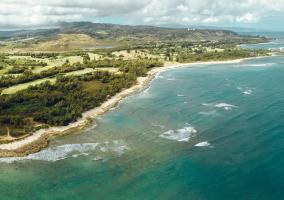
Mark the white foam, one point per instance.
(146, 94)
(98, 158)
(116, 146)
(247, 92)
(203, 144)
(181, 95)
(160, 77)
(180, 135)
(259, 65)
(225, 106)
(53, 154)
(56, 153)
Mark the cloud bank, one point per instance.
(36, 13)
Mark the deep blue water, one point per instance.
(210, 132)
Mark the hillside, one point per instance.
(86, 35)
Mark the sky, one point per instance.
(260, 14)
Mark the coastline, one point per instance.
(39, 139)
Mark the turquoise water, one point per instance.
(275, 45)
(209, 132)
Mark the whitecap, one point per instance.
(180, 135)
(225, 106)
(98, 158)
(181, 95)
(247, 92)
(203, 144)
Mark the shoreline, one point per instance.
(39, 139)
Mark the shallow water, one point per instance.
(204, 132)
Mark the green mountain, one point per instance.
(80, 35)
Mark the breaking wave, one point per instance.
(54, 154)
(203, 144)
(225, 106)
(258, 65)
(180, 135)
(246, 91)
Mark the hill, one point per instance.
(87, 35)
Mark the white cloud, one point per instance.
(248, 18)
(30, 13)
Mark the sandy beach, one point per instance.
(142, 83)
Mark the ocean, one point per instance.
(206, 132)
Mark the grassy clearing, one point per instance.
(126, 55)
(65, 42)
(72, 60)
(52, 61)
(109, 69)
(16, 88)
(5, 70)
(80, 72)
(92, 86)
(95, 56)
(40, 69)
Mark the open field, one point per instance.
(52, 61)
(62, 42)
(80, 72)
(5, 70)
(17, 88)
(126, 55)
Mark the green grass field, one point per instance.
(19, 87)
(16, 88)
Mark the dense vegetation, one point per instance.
(227, 54)
(65, 100)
